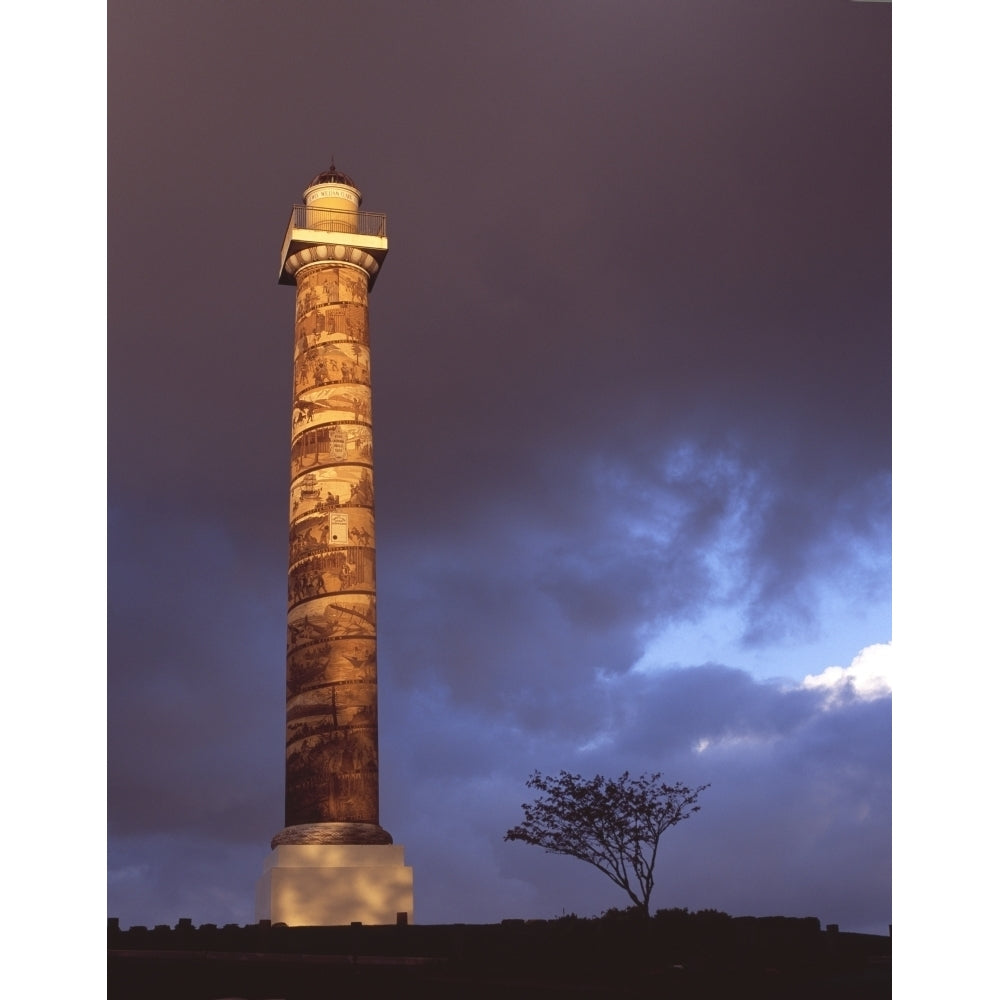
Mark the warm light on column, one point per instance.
(332, 863)
(332, 730)
(331, 753)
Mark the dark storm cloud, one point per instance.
(193, 689)
(567, 596)
(631, 369)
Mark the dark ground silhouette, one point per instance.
(675, 954)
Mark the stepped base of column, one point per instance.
(325, 885)
(332, 833)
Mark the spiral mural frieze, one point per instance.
(331, 679)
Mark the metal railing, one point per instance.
(335, 220)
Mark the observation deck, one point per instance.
(311, 226)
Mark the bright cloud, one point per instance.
(868, 677)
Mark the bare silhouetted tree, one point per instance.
(613, 825)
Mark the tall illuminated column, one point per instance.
(332, 863)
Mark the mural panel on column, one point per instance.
(332, 732)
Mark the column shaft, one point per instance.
(331, 758)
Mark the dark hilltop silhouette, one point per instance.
(674, 954)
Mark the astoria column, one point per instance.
(332, 254)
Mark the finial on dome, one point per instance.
(334, 176)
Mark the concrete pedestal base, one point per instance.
(321, 885)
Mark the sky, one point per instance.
(633, 398)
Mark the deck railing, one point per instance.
(335, 220)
